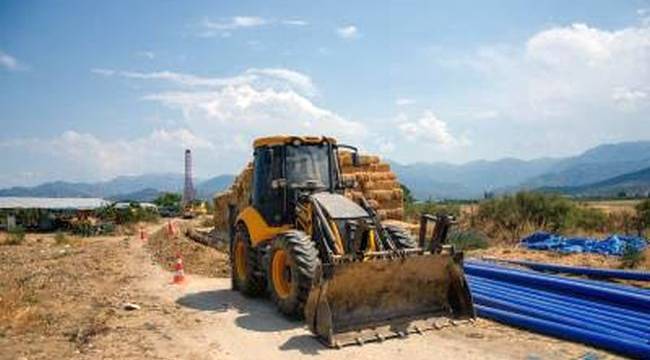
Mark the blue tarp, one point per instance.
(612, 245)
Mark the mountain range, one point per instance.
(605, 170)
(135, 188)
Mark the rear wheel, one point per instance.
(245, 269)
(292, 263)
(401, 238)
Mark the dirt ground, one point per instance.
(67, 301)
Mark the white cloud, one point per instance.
(348, 32)
(404, 101)
(91, 158)
(262, 77)
(146, 54)
(295, 22)
(236, 22)
(256, 102)
(103, 72)
(630, 99)
(567, 69)
(225, 27)
(428, 128)
(9, 62)
(559, 92)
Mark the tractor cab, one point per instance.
(286, 167)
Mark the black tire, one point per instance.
(252, 281)
(401, 238)
(302, 263)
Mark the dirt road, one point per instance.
(205, 320)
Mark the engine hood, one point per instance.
(339, 207)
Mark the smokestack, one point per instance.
(188, 191)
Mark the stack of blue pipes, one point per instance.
(601, 314)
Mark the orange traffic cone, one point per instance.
(143, 234)
(179, 274)
(171, 229)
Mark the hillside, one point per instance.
(593, 172)
(206, 189)
(598, 164)
(470, 180)
(632, 184)
(137, 188)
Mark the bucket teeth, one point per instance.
(374, 300)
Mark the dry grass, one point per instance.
(609, 206)
(197, 258)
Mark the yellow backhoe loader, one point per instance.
(325, 258)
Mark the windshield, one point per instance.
(308, 162)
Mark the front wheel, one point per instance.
(245, 265)
(292, 262)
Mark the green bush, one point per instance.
(512, 214)
(414, 210)
(132, 214)
(16, 236)
(468, 240)
(632, 257)
(643, 215)
(588, 219)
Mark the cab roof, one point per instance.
(287, 139)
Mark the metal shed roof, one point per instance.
(51, 203)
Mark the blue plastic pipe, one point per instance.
(599, 283)
(565, 307)
(641, 317)
(550, 315)
(616, 344)
(560, 313)
(580, 270)
(558, 284)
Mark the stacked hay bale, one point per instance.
(238, 194)
(375, 181)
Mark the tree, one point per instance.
(168, 199)
(408, 196)
(643, 215)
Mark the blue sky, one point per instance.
(91, 90)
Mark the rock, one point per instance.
(131, 307)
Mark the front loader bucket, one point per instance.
(381, 298)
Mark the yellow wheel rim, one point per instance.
(240, 260)
(281, 274)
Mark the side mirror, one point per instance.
(355, 159)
